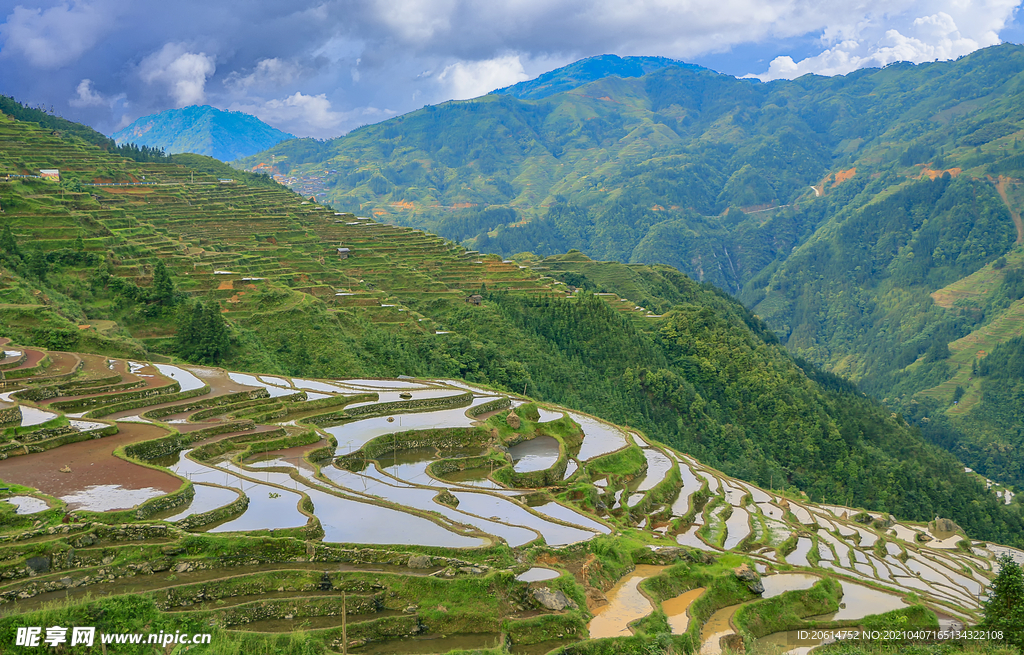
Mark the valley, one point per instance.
(229, 409)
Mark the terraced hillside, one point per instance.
(136, 260)
(417, 515)
(221, 236)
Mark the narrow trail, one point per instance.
(1001, 188)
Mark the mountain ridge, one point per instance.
(584, 71)
(202, 130)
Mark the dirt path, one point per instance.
(1001, 188)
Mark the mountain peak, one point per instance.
(588, 70)
(203, 130)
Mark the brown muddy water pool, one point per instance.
(718, 626)
(676, 609)
(625, 604)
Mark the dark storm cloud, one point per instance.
(321, 68)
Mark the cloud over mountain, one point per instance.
(322, 68)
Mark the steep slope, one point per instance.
(203, 130)
(120, 269)
(681, 166)
(850, 213)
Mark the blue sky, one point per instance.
(322, 67)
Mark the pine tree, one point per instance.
(163, 285)
(202, 333)
(1004, 609)
(215, 339)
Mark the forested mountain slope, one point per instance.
(872, 220)
(251, 276)
(658, 168)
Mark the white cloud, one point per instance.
(269, 73)
(56, 36)
(470, 79)
(929, 32)
(87, 96)
(417, 21)
(310, 115)
(360, 54)
(182, 74)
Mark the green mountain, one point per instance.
(872, 220)
(250, 275)
(588, 70)
(682, 166)
(205, 130)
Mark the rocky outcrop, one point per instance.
(553, 600)
(749, 577)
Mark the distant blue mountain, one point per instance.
(205, 130)
(587, 70)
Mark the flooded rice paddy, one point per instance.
(389, 501)
(718, 625)
(26, 504)
(536, 454)
(783, 582)
(676, 609)
(658, 466)
(87, 475)
(601, 438)
(32, 416)
(537, 574)
(625, 604)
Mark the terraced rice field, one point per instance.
(367, 473)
